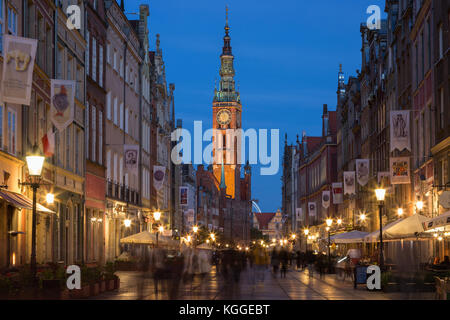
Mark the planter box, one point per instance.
(110, 284)
(94, 289)
(102, 286)
(84, 292)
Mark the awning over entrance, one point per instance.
(146, 237)
(375, 236)
(437, 222)
(406, 228)
(354, 236)
(20, 201)
(400, 229)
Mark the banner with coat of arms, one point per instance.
(312, 209)
(159, 172)
(362, 171)
(131, 155)
(400, 133)
(326, 199)
(400, 170)
(18, 64)
(338, 196)
(349, 182)
(62, 108)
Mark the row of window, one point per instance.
(91, 55)
(8, 129)
(116, 62)
(94, 134)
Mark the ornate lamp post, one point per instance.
(35, 163)
(195, 230)
(328, 228)
(380, 194)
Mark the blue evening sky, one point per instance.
(287, 55)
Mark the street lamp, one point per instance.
(160, 230)
(329, 222)
(339, 221)
(306, 232)
(157, 215)
(127, 223)
(380, 194)
(419, 205)
(50, 198)
(35, 163)
(400, 212)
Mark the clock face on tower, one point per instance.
(223, 117)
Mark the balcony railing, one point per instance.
(123, 193)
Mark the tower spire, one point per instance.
(226, 40)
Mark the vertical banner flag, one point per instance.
(337, 192)
(131, 155)
(312, 209)
(48, 142)
(299, 215)
(383, 178)
(362, 171)
(326, 199)
(400, 170)
(400, 134)
(349, 182)
(159, 173)
(184, 196)
(62, 108)
(18, 64)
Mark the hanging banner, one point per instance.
(62, 108)
(312, 209)
(400, 170)
(18, 64)
(48, 142)
(326, 199)
(383, 178)
(184, 196)
(337, 192)
(349, 182)
(131, 155)
(159, 172)
(362, 171)
(400, 134)
(299, 214)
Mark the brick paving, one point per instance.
(298, 285)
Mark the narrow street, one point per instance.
(297, 285)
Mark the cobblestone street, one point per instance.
(297, 285)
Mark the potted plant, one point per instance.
(84, 292)
(109, 275)
(94, 280)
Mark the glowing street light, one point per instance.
(419, 205)
(339, 221)
(50, 198)
(380, 193)
(157, 215)
(127, 223)
(400, 212)
(195, 229)
(362, 217)
(329, 222)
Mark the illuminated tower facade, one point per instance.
(227, 111)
